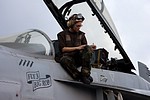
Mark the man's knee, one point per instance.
(88, 49)
(87, 54)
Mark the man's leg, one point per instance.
(86, 65)
(68, 64)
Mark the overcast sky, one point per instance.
(131, 18)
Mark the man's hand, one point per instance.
(93, 46)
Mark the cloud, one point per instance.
(132, 22)
(20, 15)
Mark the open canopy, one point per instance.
(98, 25)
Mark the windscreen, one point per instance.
(32, 41)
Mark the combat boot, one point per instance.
(87, 80)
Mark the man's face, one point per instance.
(77, 26)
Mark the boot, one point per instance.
(87, 80)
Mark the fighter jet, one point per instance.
(28, 70)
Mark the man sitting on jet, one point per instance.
(75, 51)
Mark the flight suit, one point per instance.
(72, 60)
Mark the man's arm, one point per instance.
(69, 49)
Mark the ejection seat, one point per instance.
(56, 48)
